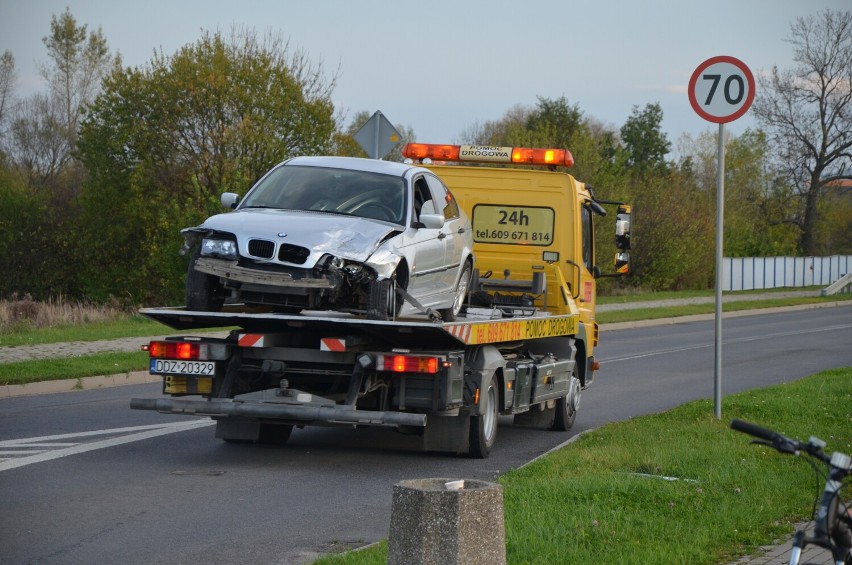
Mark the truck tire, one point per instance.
(204, 293)
(450, 314)
(274, 434)
(483, 428)
(567, 406)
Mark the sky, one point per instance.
(442, 67)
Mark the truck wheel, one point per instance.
(204, 293)
(274, 434)
(483, 428)
(567, 406)
(450, 314)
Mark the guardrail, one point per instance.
(843, 284)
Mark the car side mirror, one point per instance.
(432, 221)
(229, 200)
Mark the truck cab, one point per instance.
(533, 231)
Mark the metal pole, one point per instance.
(378, 116)
(720, 223)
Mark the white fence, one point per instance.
(747, 273)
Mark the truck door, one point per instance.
(587, 281)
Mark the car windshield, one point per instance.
(341, 191)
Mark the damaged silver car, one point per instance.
(369, 237)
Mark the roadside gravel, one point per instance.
(79, 348)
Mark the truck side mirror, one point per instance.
(229, 200)
(622, 263)
(622, 227)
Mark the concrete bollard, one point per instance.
(446, 521)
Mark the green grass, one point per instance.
(643, 296)
(693, 309)
(111, 363)
(588, 503)
(133, 326)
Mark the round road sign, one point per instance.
(721, 89)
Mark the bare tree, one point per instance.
(807, 112)
(37, 144)
(78, 62)
(7, 84)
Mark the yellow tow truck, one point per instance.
(524, 345)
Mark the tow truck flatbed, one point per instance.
(459, 333)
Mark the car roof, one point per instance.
(354, 163)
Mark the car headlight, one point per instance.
(224, 248)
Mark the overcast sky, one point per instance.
(439, 66)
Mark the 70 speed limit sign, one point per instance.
(721, 89)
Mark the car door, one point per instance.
(424, 247)
(454, 225)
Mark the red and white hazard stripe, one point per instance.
(251, 340)
(461, 332)
(332, 344)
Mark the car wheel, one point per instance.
(204, 293)
(382, 305)
(483, 428)
(450, 314)
(567, 406)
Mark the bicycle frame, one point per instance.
(832, 520)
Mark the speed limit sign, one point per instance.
(721, 89)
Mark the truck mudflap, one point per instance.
(286, 412)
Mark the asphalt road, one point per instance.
(83, 479)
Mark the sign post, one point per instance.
(377, 136)
(721, 90)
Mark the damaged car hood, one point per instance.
(349, 237)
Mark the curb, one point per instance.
(84, 383)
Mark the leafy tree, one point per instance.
(673, 226)
(645, 144)
(163, 141)
(562, 121)
(751, 196)
(807, 113)
(834, 229)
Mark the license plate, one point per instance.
(169, 367)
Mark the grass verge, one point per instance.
(656, 313)
(130, 326)
(111, 363)
(605, 498)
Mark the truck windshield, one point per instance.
(339, 191)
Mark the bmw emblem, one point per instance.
(282, 234)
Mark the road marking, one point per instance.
(724, 342)
(131, 434)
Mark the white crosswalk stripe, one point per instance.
(16, 453)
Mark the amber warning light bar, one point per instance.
(489, 154)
